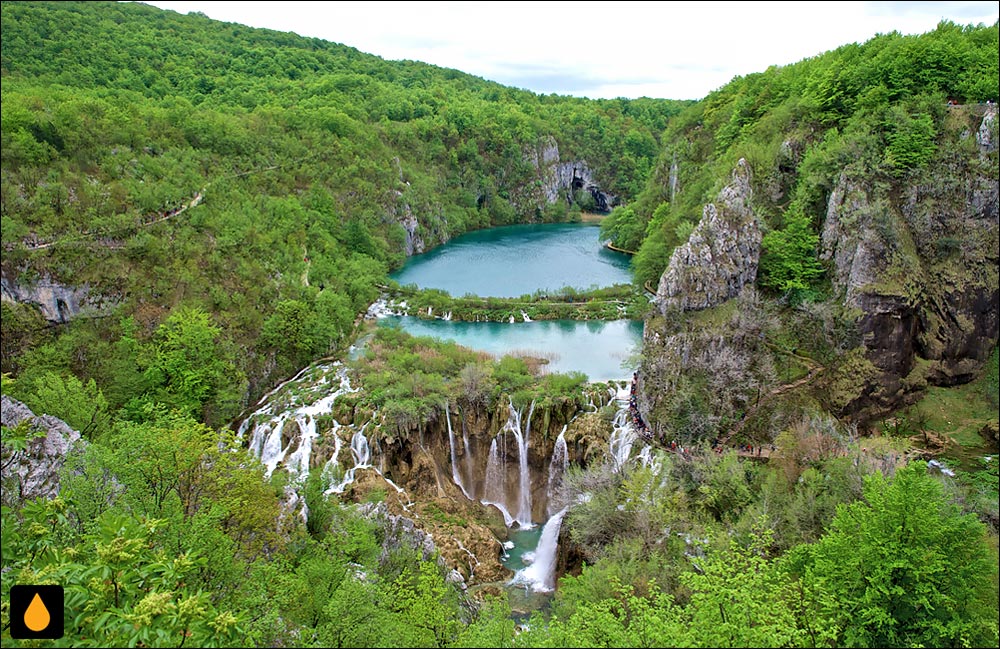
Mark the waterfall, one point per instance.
(470, 468)
(362, 460)
(266, 436)
(361, 450)
(557, 466)
(524, 485)
(455, 475)
(331, 464)
(540, 575)
(495, 484)
(622, 438)
(298, 462)
(648, 459)
(266, 442)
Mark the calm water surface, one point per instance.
(516, 260)
(597, 348)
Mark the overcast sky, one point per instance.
(674, 50)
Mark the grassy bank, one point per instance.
(617, 302)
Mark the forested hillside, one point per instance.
(881, 105)
(316, 169)
(194, 211)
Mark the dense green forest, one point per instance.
(880, 105)
(307, 157)
(233, 200)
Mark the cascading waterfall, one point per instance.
(557, 467)
(540, 575)
(266, 443)
(332, 464)
(470, 468)
(624, 435)
(524, 485)
(362, 460)
(267, 436)
(622, 438)
(495, 484)
(648, 459)
(455, 475)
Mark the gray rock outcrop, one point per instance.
(57, 302)
(721, 255)
(920, 265)
(33, 472)
(561, 178)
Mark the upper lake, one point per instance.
(516, 260)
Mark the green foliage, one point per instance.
(605, 303)
(491, 626)
(21, 327)
(911, 139)
(788, 260)
(741, 599)
(903, 567)
(121, 588)
(192, 370)
(625, 620)
(991, 381)
(82, 406)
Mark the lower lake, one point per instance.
(603, 350)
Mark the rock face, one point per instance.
(721, 255)
(414, 244)
(559, 179)
(914, 259)
(57, 303)
(33, 472)
(920, 264)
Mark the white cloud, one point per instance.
(681, 50)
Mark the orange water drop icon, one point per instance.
(37, 617)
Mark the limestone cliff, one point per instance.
(912, 256)
(721, 255)
(558, 179)
(33, 471)
(919, 260)
(56, 302)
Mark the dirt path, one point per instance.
(109, 242)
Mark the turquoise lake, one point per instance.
(597, 348)
(516, 260)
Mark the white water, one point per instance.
(524, 485)
(455, 475)
(557, 467)
(469, 466)
(540, 575)
(495, 484)
(624, 435)
(362, 460)
(622, 438)
(266, 437)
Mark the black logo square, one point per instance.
(36, 612)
